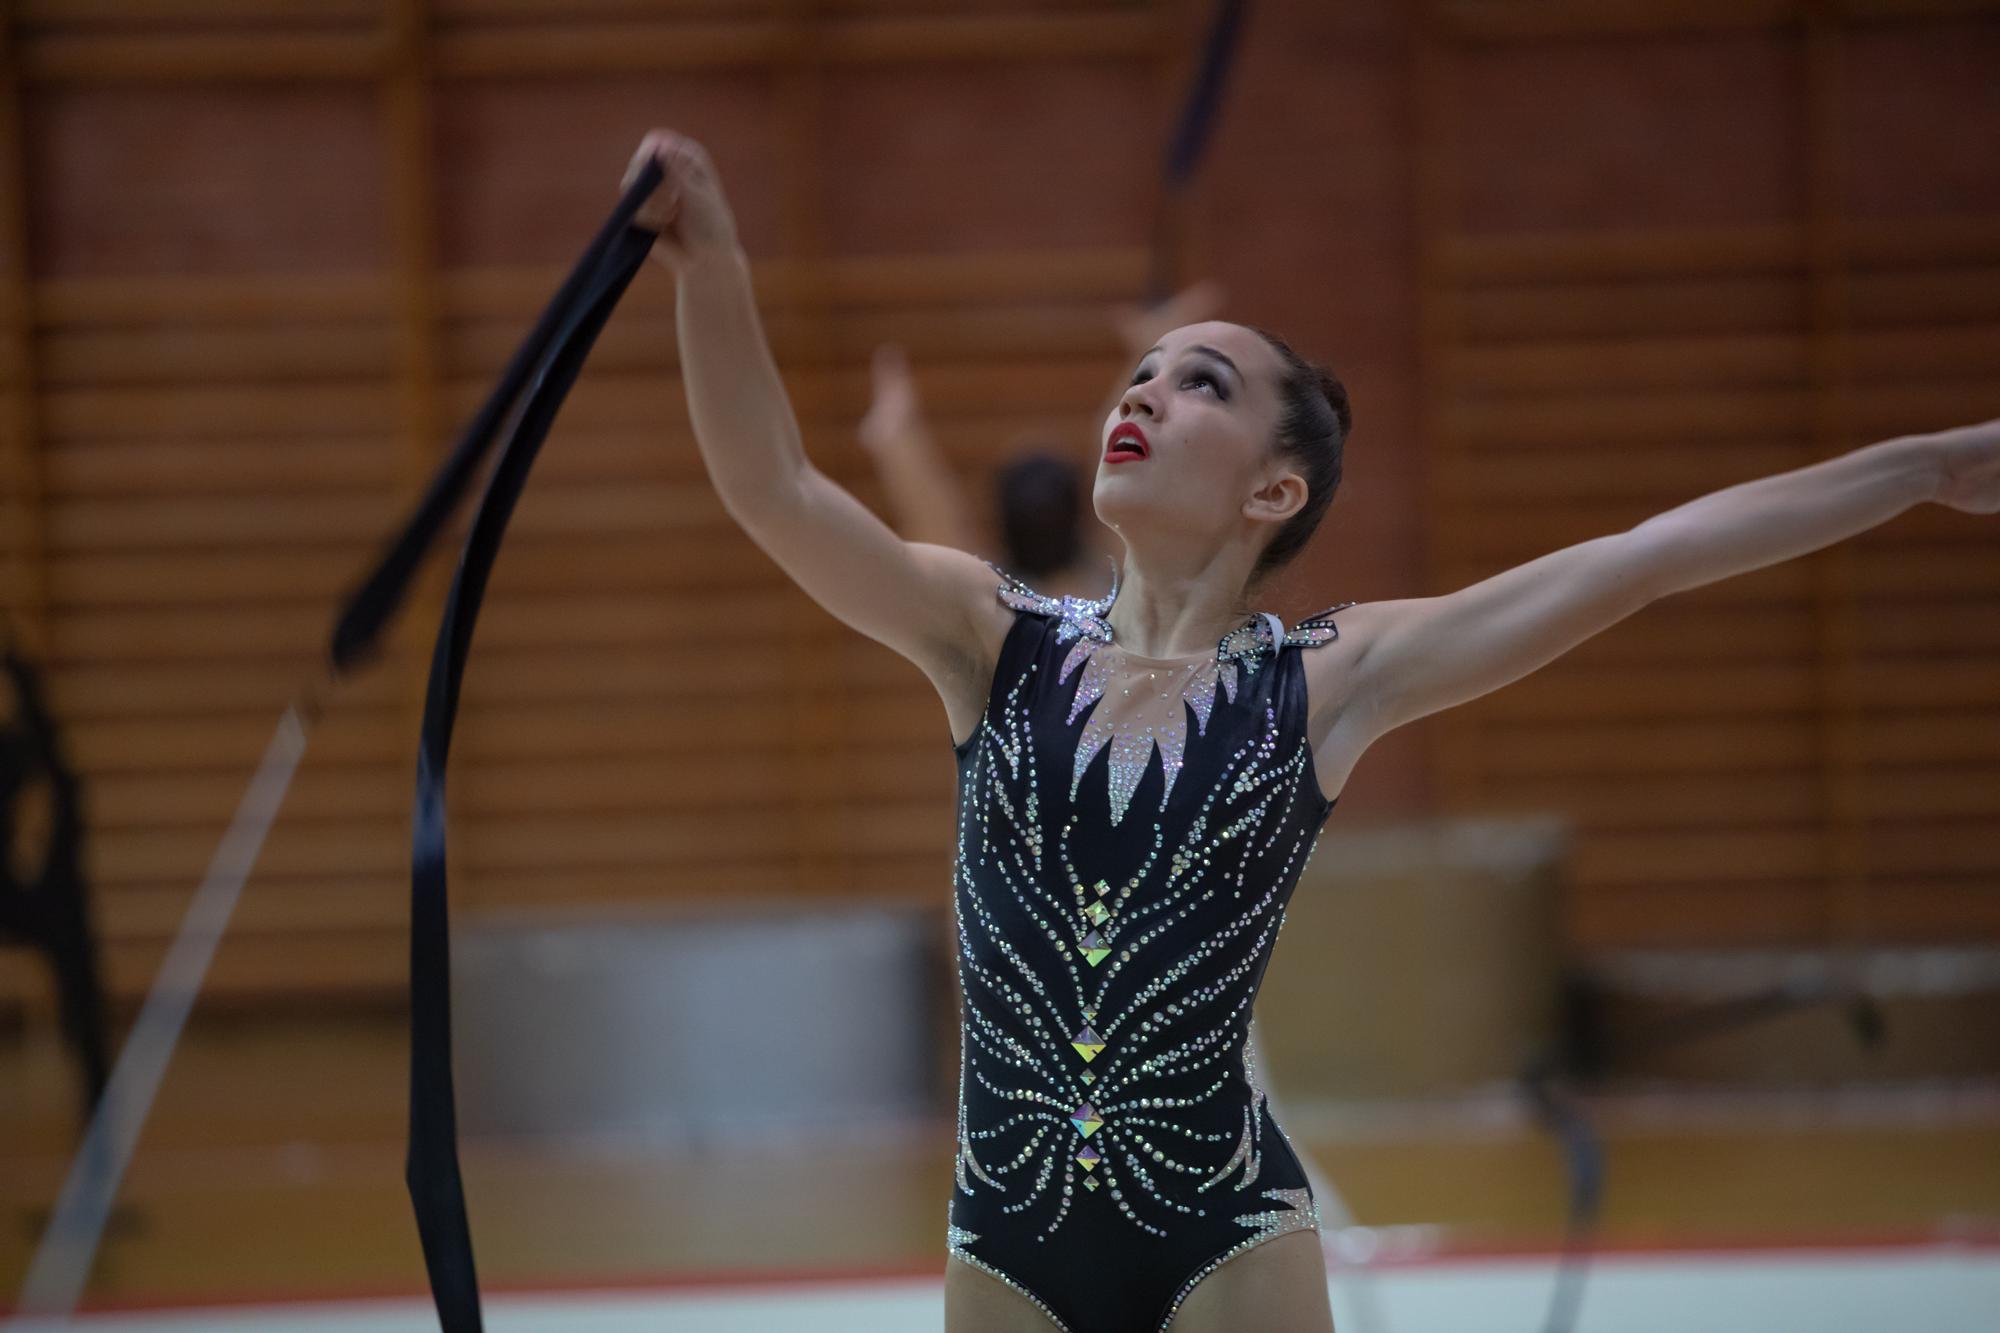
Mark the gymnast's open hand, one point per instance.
(1969, 467)
(893, 416)
(687, 208)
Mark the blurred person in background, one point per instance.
(1040, 531)
(1117, 1167)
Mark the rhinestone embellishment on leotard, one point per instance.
(1166, 693)
(1077, 615)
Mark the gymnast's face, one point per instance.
(1188, 452)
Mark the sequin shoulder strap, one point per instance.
(1317, 628)
(1082, 616)
(1258, 637)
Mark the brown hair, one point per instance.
(1313, 422)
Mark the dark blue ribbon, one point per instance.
(553, 355)
(1193, 128)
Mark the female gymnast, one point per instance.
(1117, 1168)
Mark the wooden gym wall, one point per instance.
(1672, 246)
(261, 260)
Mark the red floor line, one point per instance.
(1442, 1255)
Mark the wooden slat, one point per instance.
(642, 47)
(1935, 847)
(1648, 691)
(1476, 21)
(304, 967)
(1643, 362)
(1959, 294)
(1707, 251)
(1763, 744)
(1665, 476)
(584, 620)
(1660, 800)
(260, 523)
(1917, 911)
(871, 282)
(146, 688)
(264, 13)
(1749, 858)
(716, 879)
(291, 350)
(845, 338)
(323, 848)
(177, 57)
(1664, 417)
(135, 301)
(207, 467)
(293, 906)
(1944, 736)
(225, 745)
(204, 411)
(642, 782)
(1696, 914)
(867, 282)
(614, 48)
(1757, 305)
(170, 797)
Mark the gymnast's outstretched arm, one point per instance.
(1417, 656)
(932, 604)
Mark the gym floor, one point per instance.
(271, 1172)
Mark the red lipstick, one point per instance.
(1127, 444)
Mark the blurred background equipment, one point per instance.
(44, 903)
(707, 1023)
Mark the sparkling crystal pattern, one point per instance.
(1137, 705)
(1114, 920)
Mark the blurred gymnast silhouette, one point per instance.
(1035, 526)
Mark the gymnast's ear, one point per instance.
(1281, 494)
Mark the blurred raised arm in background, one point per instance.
(1041, 528)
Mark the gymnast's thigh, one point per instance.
(977, 1302)
(1278, 1286)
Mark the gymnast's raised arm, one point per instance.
(1421, 655)
(934, 605)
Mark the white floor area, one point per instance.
(1923, 1290)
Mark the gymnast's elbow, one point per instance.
(764, 499)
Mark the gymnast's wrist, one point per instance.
(724, 261)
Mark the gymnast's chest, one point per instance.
(1124, 772)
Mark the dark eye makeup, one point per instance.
(1197, 373)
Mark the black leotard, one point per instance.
(1115, 917)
